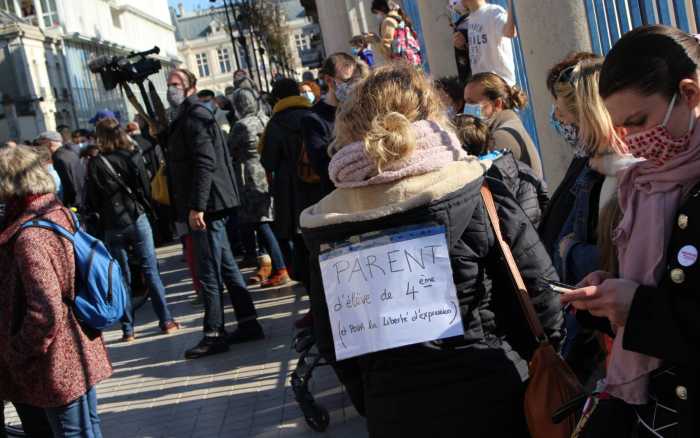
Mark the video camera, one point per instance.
(116, 70)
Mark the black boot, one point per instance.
(207, 346)
(247, 332)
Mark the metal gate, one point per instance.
(609, 19)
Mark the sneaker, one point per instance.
(305, 321)
(128, 338)
(207, 346)
(246, 333)
(170, 327)
(278, 278)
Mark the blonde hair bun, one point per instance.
(390, 138)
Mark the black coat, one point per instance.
(664, 322)
(560, 205)
(71, 170)
(529, 190)
(152, 154)
(200, 172)
(462, 384)
(317, 130)
(116, 208)
(280, 157)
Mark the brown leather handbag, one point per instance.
(552, 383)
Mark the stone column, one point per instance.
(548, 31)
(335, 25)
(437, 34)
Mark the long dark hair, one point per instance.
(383, 6)
(111, 136)
(650, 59)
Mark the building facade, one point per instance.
(205, 46)
(47, 45)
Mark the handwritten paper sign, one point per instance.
(389, 291)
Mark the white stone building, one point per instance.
(204, 44)
(45, 46)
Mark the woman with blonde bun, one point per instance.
(397, 163)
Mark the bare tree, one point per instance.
(268, 21)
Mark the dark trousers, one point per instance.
(217, 267)
(34, 421)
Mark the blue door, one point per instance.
(609, 19)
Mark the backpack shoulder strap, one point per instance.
(516, 135)
(48, 225)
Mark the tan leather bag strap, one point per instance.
(521, 290)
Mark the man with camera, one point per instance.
(204, 193)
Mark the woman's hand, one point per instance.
(595, 278)
(610, 299)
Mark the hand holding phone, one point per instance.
(560, 288)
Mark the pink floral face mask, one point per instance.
(657, 144)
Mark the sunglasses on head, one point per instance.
(567, 74)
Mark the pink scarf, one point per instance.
(435, 148)
(649, 197)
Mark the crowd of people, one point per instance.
(608, 260)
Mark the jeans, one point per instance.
(272, 246)
(217, 267)
(78, 419)
(266, 239)
(139, 237)
(297, 257)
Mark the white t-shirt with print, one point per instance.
(489, 49)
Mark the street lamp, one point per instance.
(230, 33)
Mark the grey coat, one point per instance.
(256, 205)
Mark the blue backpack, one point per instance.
(100, 293)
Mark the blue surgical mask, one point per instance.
(474, 110)
(309, 96)
(355, 51)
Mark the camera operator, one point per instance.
(204, 193)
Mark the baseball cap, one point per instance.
(103, 114)
(51, 136)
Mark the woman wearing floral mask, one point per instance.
(570, 230)
(650, 86)
(580, 118)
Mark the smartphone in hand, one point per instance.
(560, 288)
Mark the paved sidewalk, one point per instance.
(246, 392)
